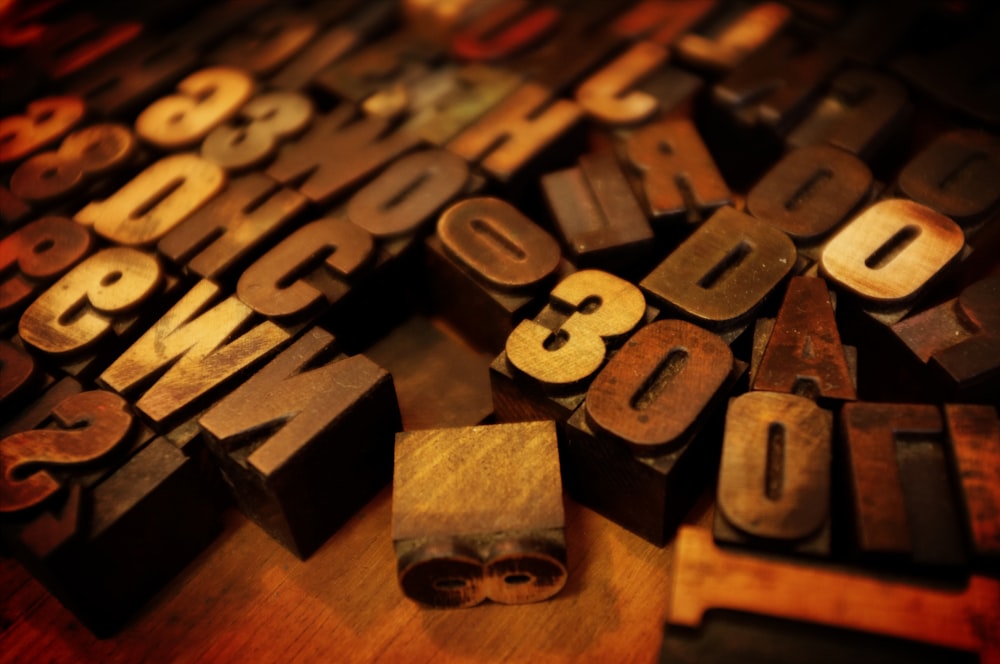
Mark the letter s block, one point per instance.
(477, 514)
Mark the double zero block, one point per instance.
(477, 514)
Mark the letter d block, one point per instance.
(477, 514)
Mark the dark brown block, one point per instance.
(477, 514)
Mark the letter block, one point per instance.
(306, 441)
(99, 513)
(477, 514)
(642, 449)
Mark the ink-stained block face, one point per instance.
(477, 513)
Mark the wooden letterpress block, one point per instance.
(266, 42)
(504, 30)
(94, 309)
(974, 449)
(20, 378)
(901, 491)
(104, 518)
(477, 514)
(961, 338)
(887, 255)
(197, 348)
(775, 475)
(803, 354)
(487, 265)
(548, 361)
(660, 21)
(811, 192)
(127, 218)
(252, 138)
(314, 163)
(635, 86)
(306, 441)
(597, 214)
(723, 272)
(640, 450)
(217, 238)
(728, 607)
(730, 33)
(518, 134)
(43, 122)
(680, 180)
(34, 256)
(860, 113)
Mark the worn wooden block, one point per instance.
(887, 255)
(597, 214)
(549, 361)
(487, 265)
(775, 475)
(305, 441)
(680, 181)
(717, 600)
(902, 495)
(43, 122)
(660, 21)
(477, 514)
(643, 447)
(803, 354)
(504, 30)
(731, 32)
(104, 518)
(20, 379)
(723, 272)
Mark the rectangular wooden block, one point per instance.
(477, 514)
(306, 440)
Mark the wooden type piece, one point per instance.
(267, 42)
(517, 132)
(731, 33)
(477, 514)
(889, 253)
(43, 123)
(397, 205)
(635, 86)
(974, 436)
(956, 175)
(249, 212)
(34, 256)
(903, 500)
(82, 41)
(331, 44)
(597, 214)
(203, 343)
(679, 177)
(722, 273)
(549, 361)
(140, 73)
(36, 413)
(204, 100)
(708, 579)
(660, 21)
(773, 87)
(505, 30)
(13, 210)
(461, 96)
(315, 165)
(91, 308)
(106, 549)
(308, 271)
(487, 264)
(640, 450)
(859, 113)
(810, 192)
(804, 355)
(86, 156)
(155, 201)
(20, 379)
(960, 336)
(252, 138)
(379, 77)
(306, 441)
(775, 475)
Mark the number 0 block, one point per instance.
(477, 514)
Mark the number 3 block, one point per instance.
(477, 514)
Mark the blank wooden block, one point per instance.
(477, 514)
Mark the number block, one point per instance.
(306, 441)
(477, 514)
(642, 448)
